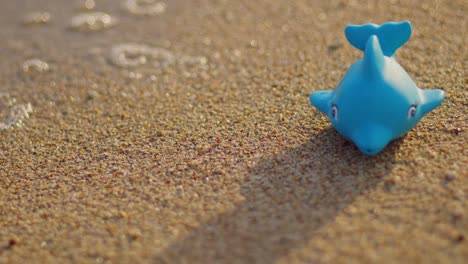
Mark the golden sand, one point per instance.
(222, 159)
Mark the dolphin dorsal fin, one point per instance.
(374, 60)
(391, 35)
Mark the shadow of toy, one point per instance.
(287, 199)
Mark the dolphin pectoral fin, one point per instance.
(321, 100)
(431, 99)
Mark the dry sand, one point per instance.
(221, 159)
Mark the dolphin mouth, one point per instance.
(371, 140)
(370, 151)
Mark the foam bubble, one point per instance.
(36, 18)
(191, 61)
(145, 7)
(35, 65)
(131, 55)
(12, 114)
(95, 21)
(88, 5)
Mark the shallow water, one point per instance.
(54, 38)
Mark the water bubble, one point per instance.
(131, 55)
(145, 7)
(135, 75)
(96, 21)
(134, 55)
(322, 16)
(191, 61)
(88, 5)
(207, 41)
(36, 18)
(253, 43)
(12, 114)
(35, 65)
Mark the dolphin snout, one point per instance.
(370, 140)
(370, 151)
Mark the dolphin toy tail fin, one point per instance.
(391, 35)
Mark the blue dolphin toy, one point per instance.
(376, 101)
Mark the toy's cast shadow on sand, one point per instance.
(287, 199)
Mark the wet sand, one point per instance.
(200, 145)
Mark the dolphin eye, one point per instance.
(412, 111)
(334, 112)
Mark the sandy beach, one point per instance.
(182, 132)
